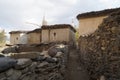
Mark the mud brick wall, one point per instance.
(100, 51)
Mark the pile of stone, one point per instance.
(35, 65)
(29, 47)
(100, 51)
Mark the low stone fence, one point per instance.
(45, 65)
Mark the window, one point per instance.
(17, 38)
(54, 36)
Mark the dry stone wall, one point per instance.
(100, 51)
(35, 65)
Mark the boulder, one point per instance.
(53, 51)
(6, 63)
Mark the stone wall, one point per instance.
(35, 65)
(100, 51)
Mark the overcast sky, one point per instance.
(15, 13)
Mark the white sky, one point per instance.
(15, 13)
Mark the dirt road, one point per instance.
(75, 70)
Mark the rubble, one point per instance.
(38, 67)
(100, 51)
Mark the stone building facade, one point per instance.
(58, 33)
(34, 37)
(89, 22)
(46, 34)
(18, 37)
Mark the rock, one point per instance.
(102, 78)
(39, 58)
(6, 63)
(30, 55)
(45, 54)
(1, 55)
(51, 60)
(33, 66)
(25, 70)
(59, 54)
(9, 72)
(15, 75)
(13, 49)
(29, 77)
(53, 51)
(28, 67)
(23, 63)
(55, 76)
(43, 64)
(2, 76)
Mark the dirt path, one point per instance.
(75, 71)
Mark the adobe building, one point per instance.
(18, 37)
(58, 33)
(89, 22)
(45, 34)
(34, 37)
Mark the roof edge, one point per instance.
(58, 26)
(104, 12)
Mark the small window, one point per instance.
(54, 34)
(17, 38)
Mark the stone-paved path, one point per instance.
(75, 71)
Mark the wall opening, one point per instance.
(54, 36)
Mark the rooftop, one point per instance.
(96, 13)
(12, 32)
(35, 30)
(59, 26)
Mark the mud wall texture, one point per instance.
(100, 51)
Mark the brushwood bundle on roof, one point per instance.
(36, 30)
(12, 32)
(59, 26)
(97, 13)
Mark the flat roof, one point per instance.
(59, 26)
(97, 13)
(13, 32)
(35, 30)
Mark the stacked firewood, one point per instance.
(100, 51)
